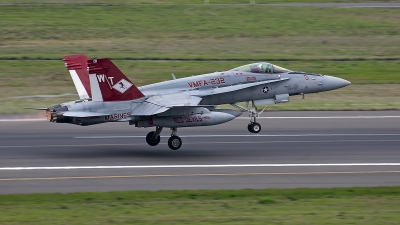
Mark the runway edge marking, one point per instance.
(244, 135)
(272, 117)
(194, 166)
(192, 175)
(323, 117)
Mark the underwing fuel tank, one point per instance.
(208, 119)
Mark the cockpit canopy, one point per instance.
(261, 67)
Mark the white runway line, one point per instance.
(244, 135)
(196, 166)
(323, 117)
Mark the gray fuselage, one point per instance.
(216, 88)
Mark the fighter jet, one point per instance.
(107, 95)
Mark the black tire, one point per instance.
(152, 141)
(249, 128)
(174, 142)
(255, 128)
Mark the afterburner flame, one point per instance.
(48, 115)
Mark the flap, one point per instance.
(147, 109)
(176, 99)
(161, 103)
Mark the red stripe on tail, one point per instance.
(78, 63)
(114, 85)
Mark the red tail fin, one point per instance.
(113, 84)
(77, 66)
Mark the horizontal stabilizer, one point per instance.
(84, 114)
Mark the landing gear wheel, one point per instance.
(151, 140)
(249, 128)
(254, 127)
(174, 142)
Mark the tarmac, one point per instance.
(293, 149)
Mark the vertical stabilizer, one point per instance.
(113, 84)
(95, 88)
(77, 67)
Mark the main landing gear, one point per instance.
(153, 137)
(174, 142)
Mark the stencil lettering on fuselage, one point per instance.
(189, 119)
(211, 81)
(117, 116)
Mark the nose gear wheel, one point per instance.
(254, 127)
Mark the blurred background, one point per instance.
(150, 39)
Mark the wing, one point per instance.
(184, 102)
(236, 87)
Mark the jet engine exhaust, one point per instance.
(49, 117)
(54, 114)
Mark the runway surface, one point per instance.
(294, 149)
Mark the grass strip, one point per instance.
(372, 82)
(198, 32)
(361, 205)
(116, 2)
(24, 74)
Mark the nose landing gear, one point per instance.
(253, 126)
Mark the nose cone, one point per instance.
(332, 83)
